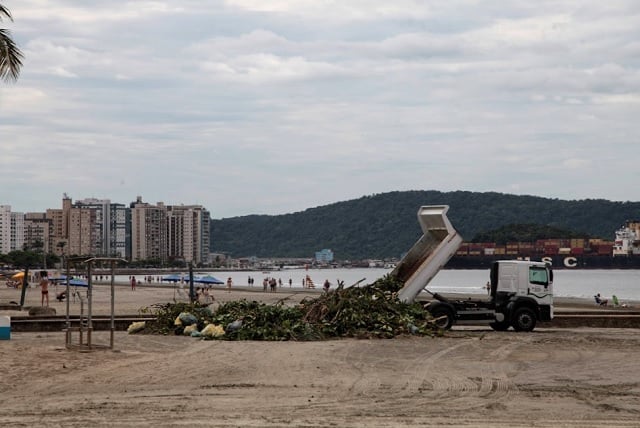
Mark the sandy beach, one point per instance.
(473, 377)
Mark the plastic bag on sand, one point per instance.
(188, 330)
(233, 326)
(185, 318)
(212, 330)
(136, 327)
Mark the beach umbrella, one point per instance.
(77, 282)
(172, 278)
(208, 279)
(72, 281)
(18, 275)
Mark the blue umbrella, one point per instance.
(62, 280)
(172, 278)
(78, 282)
(208, 279)
(72, 281)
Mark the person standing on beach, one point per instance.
(44, 285)
(229, 283)
(133, 283)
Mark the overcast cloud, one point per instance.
(258, 106)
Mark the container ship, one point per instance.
(622, 253)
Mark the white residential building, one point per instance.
(148, 231)
(17, 231)
(188, 233)
(5, 229)
(11, 230)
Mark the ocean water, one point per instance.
(567, 283)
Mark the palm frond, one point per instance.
(10, 57)
(4, 11)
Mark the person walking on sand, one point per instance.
(44, 285)
(133, 283)
(229, 282)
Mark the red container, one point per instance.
(605, 249)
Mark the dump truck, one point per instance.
(520, 293)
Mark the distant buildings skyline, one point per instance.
(98, 227)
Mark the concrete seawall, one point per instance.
(561, 320)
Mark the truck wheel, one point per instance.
(524, 319)
(444, 318)
(500, 325)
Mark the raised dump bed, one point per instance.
(429, 254)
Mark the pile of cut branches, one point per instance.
(365, 312)
(369, 311)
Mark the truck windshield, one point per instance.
(538, 275)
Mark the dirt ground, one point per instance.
(471, 377)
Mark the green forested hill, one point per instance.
(385, 225)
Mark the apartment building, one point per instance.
(17, 231)
(5, 229)
(37, 232)
(73, 229)
(148, 231)
(188, 233)
(11, 230)
(111, 227)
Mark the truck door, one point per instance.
(507, 278)
(539, 284)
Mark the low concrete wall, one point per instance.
(58, 323)
(35, 324)
(594, 320)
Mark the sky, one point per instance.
(276, 106)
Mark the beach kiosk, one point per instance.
(84, 329)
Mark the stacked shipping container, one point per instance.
(539, 248)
